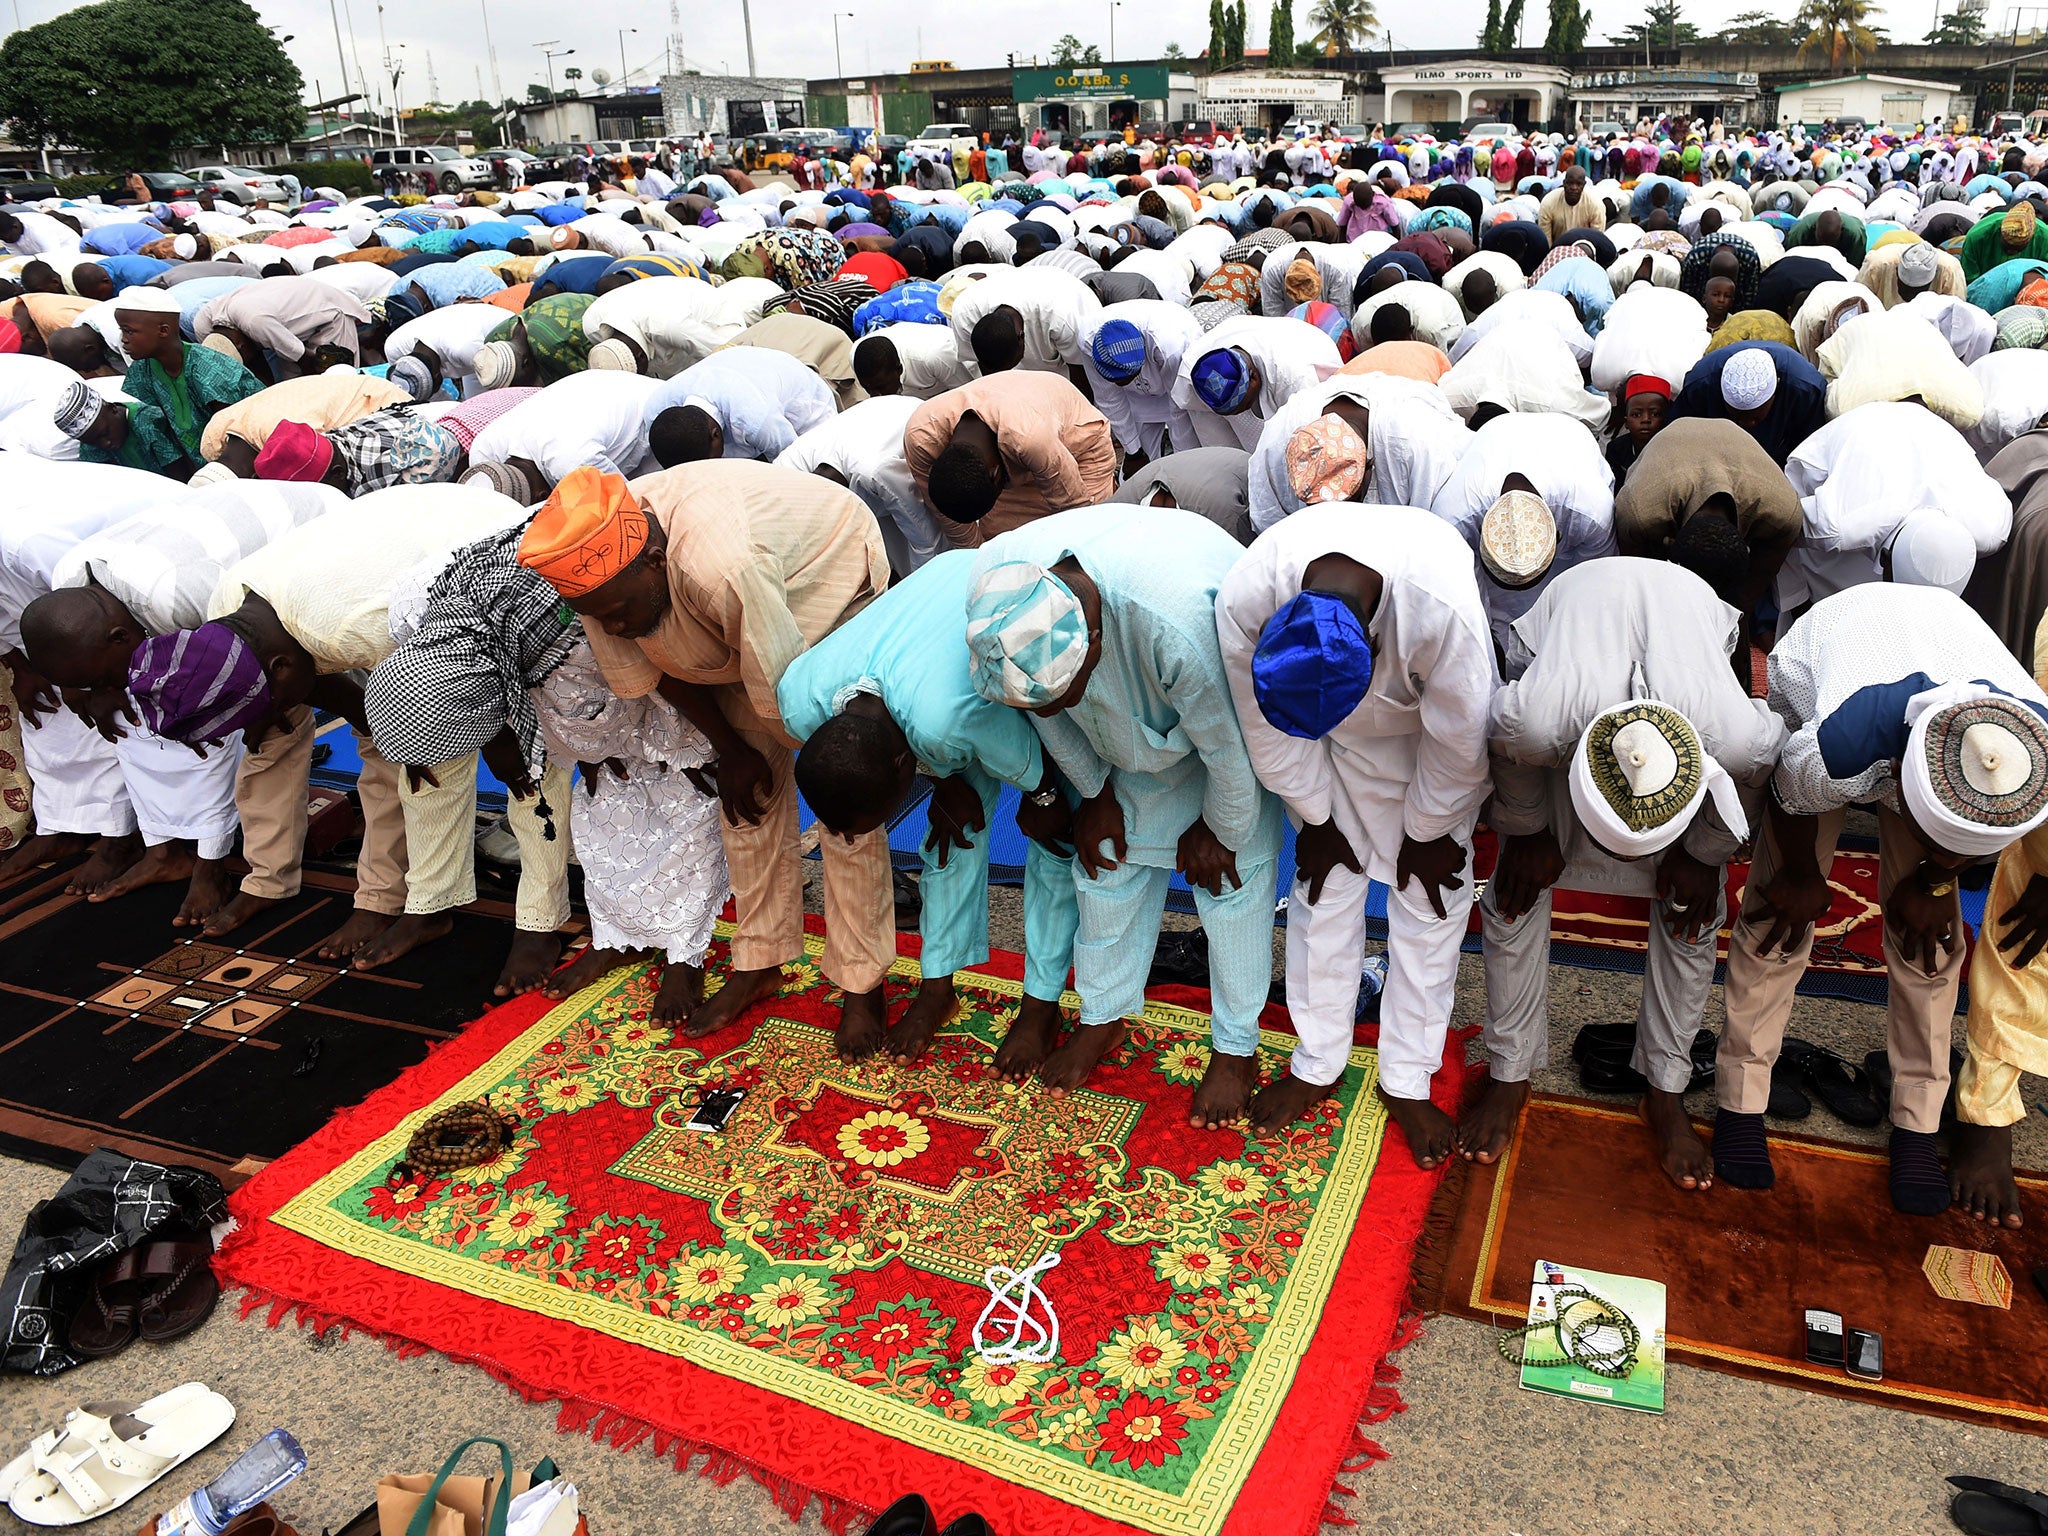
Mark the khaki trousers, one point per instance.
(1918, 1019)
(768, 881)
(440, 842)
(270, 795)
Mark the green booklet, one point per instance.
(1642, 1300)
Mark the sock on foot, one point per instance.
(1919, 1187)
(1742, 1153)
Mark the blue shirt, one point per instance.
(1798, 409)
(909, 646)
(579, 274)
(133, 271)
(197, 294)
(120, 239)
(454, 280)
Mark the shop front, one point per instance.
(1071, 99)
(1455, 93)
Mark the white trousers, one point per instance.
(178, 794)
(1325, 954)
(75, 777)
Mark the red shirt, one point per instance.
(881, 270)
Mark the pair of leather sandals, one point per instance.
(1603, 1053)
(912, 1516)
(159, 1290)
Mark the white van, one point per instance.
(434, 165)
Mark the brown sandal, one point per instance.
(105, 1323)
(178, 1289)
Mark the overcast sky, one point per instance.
(880, 35)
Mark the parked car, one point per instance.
(18, 184)
(238, 184)
(1354, 133)
(1609, 130)
(943, 138)
(891, 145)
(1200, 132)
(1489, 132)
(434, 165)
(1411, 131)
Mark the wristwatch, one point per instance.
(1946, 888)
(1045, 799)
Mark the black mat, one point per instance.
(118, 1030)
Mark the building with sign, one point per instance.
(1254, 101)
(1458, 90)
(1076, 97)
(694, 103)
(1624, 95)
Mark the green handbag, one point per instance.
(501, 1506)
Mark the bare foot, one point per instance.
(1980, 1172)
(526, 967)
(1282, 1103)
(741, 991)
(680, 994)
(242, 909)
(863, 1025)
(1429, 1130)
(1224, 1091)
(404, 936)
(1485, 1129)
(1069, 1067)
(928, 1012)
(586, 968)
(43, 848)
(110, 856)
(1680, 1152)
(206, 895)
(159, 865)
(1032, 1037)
(347, 940)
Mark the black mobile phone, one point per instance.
(1866, 1355)
(715, 1108)
(1823, 1336)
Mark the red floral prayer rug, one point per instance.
(797, 1295)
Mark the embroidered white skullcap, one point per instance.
(496, 363)
(1517, 539)
(1640, 776)
(1932, 549)
(1975, 771)
(612, 354)
(1748, 379)
(1918, 264)
(215, 473)
(155, 301)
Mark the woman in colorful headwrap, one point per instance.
(835, 301)
(791, 257)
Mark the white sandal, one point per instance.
(104, 1454)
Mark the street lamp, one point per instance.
(1114, 6)
(552, 52)
(838, 62)
(623, 71)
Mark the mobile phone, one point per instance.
(1823, 1336)
(1866, 1355)
(715, 1108)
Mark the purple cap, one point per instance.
(199, 684)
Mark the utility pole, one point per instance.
(623, 71)
(747, 17)
(491, 48)
(335, 16)
(838, 63)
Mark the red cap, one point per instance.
(1645, 384)
(295, 452)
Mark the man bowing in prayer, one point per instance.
(889, 695)
(1102, 623)
(1618, 742)
(1903, 696)
(1361, 666)
(703, 583)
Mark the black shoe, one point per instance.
(1846, 1091)
(908, 1516)
(1181, 959)
(969, 1524)
(1788, 1100)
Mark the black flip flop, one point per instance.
(1987, 1507)
(1787, 1101)
(1847, 1091)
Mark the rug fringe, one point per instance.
(601, 1422)
(1381, 1404)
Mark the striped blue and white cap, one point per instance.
(1026, 633)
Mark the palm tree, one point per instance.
(1343, 24)
(1838, 27)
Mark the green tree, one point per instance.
(1280, 35)
(1758, 28)
(1173, 51)
(1665, 26)
(1067, 50)
(134, 79)
(1343, 25)
(1237, 23)
(1489, 39)
(1219, 34)
(1511, 25)
(1959, 28)
(1838, 28)
(1567, 32)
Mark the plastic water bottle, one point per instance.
(256, 1474)
(1372, 981)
